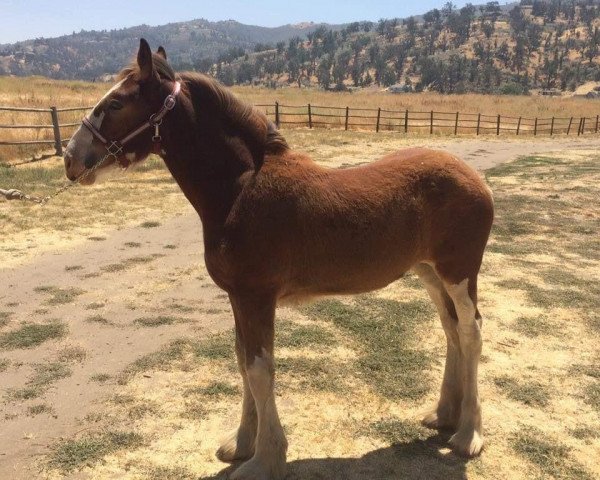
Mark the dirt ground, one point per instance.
(116, 357)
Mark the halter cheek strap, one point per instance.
(115, 147)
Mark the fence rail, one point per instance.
(350, 118)
(53, 112)
(407, 121)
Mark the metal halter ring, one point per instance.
(170, 102)
(114, 149)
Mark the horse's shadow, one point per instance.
(417, 459)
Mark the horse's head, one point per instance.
(120, 128)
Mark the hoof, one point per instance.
(467, 443)
(236, 447)
(255, 470)
(436, 420)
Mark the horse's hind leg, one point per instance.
(255, 315)
(468, 439)
(446, 413)
(239, 444)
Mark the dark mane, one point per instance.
(258, 131)
(239, 113)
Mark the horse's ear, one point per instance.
(144, 60)
(161, 51)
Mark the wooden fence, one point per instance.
(349, 118)
(406, 121)
(55, 126)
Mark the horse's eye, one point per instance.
(115, 105)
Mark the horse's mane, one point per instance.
(256, 129)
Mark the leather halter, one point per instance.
(115, 147)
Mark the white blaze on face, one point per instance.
(82, 139)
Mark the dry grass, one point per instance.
(354, 374)
(351, 400)
(38, 92)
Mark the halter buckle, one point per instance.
(170, 102)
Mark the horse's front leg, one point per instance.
(255, 317)
(239, 444)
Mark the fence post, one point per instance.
(378, 119)
(478, 122)
(55, 125)
(406, 121)
(309, 116)
(583, 125)
(552, 127)
(498, 126)
(277, 114)
(347, 116)
(597, 119)
(569, 127)
(535, 127)
(579, 127)
(456, 125)
(518, 125)
(431, 124)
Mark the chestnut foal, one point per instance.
(278, 227)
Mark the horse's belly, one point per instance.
(345, 278)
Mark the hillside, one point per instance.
(196, 44)
(490, 48)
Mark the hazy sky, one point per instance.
(25, 19)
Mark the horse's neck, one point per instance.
(208, 166)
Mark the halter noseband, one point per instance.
(115, 147)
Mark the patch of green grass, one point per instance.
(5, 318)
(45, 375)
(31, 335)
(158, 321)
(195, 410)
(215, 389)
(73, 268)
(549, 455)
(133, 244)
(60, 296)
(384, 331)
(150, 224)
(140, 410)
(4, 364)
(99, 319)
(128, 263)
(584, 433)
(71, 455)
(291, 335)
(181, 308)
(163, 359)
(395, 430)
(313, 373)
(100, 377)
(94, 306)
(530, 393)
(217, 347)
(72, 354)
(592, 395)
(535, 326)
(38, 409)
(182, 353)
(170, 247)
(169, 473)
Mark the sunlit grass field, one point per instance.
(38, 92)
